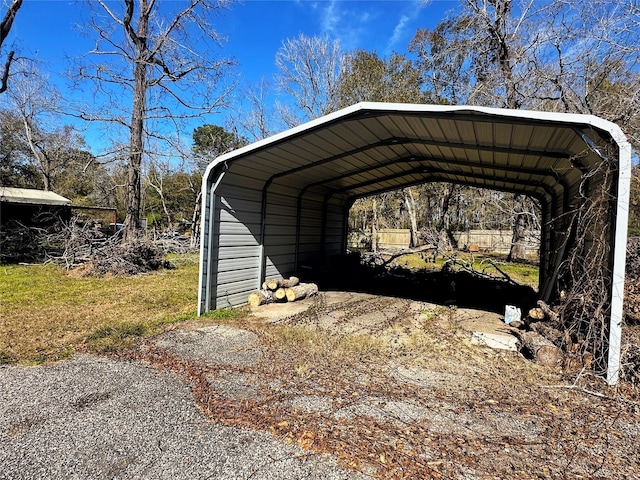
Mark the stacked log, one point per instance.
(276, 283)
(303, 290)
(282, 290)
(259, 297)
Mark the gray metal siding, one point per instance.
(236, 256)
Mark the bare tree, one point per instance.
(156, 55)
(155, 179)
(477, 56)
(253, 117)
(308, 71)
(35, 103)
(588, 61)
(5, 28)
(412, 211)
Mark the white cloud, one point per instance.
(331, 17)
(398, 31)
(341, 20)
(370, 25)
(400, 34)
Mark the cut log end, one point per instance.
(259, 297)
(536, 314)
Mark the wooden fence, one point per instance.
(495, 241)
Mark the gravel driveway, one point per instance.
(99, 418)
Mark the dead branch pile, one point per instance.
(42, 236)
(89, 251)
(174, 242)
(632, 284)
(584, 308)
(633, 259)
(136, 256)
(19, 243)
(631, 333)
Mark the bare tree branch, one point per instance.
(5, 28)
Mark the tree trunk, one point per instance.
(5, 28)
(44, 163)
(410, 203)
(195, 222)
(518, 249)
(503, 9)
(159, 188)
(374, 227)
(136, 145)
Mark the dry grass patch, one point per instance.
(48, 314)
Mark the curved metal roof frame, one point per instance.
(277, 190)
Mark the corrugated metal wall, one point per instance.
(235, 248)
(238, 263)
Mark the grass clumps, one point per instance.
(48, 314)
(114, 338)
(314, 349)
(117, 337)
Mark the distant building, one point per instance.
(31, 207)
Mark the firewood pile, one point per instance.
(282, 290)
(544, 338)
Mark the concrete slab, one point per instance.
(495, 340)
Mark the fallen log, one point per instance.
(280, 294)
(276, 283)
(303, 290)
(539, 349)
(259, 297)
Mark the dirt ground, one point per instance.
(395, 388)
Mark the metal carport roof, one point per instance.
(274, 205)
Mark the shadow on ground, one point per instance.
(443, 287)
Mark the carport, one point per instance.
(279, 204)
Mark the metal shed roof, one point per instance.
(369, 148)
(28, 195)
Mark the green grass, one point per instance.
(47, 313)
(523, 273)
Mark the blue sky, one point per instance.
(256, 28)
(253, 29)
